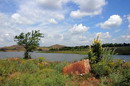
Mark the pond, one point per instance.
(55, 56)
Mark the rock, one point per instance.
(78, 68)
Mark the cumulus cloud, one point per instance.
(128, 18)
(60, 16)
(7, 30)
(129, 26)
(39, 11)
(50, 4)
(126, 36)
(17, 18)
(113, 21)
(42, 15)
(53, 21)
(79, 28)
(87, 8)
(103, 35)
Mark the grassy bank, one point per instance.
(83, 52)
(37, 72)
(119, 51)
(122, 50)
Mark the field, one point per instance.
(37, 72)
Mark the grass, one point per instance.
(34, 72)
(20, 72)
(83, 52)
(123, 50)
(119, 50)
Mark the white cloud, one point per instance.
(39, 11)
(38, 14)
(79, 28)
(50, 4)
(126, 36)
(103, 35)
(128, 18)
(17, 18)
(59, 16)
(53, 21)
(113, 21)
(88, 8)
(118, 30)
(129, 26)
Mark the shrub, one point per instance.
(116, 78)
(101, 69)
(41, 59)
(104, 81)
(28, 66)
(60, 66)
(96, 51)
(126, 77)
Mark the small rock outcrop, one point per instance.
(78, 68)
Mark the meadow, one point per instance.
(38, 72)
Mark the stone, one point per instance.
(78, 68)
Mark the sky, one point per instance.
(66, 22)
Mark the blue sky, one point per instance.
(66, 22)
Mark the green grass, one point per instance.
(35, 72)
(119, 50)
(83, 52)
(32, 73)
(123, 50)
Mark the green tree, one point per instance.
(30, 41)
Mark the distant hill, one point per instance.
(16, 48)
(57, 46)
(12, 48)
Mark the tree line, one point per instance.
(87, 46)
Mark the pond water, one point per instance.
(55, 56)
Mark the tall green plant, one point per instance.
(30, 41)
(95, 51)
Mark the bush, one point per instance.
(28, 66)
(101, 69)
(116, 78)
(41, 59)
(111, 72)
(96, 51)
(60, 66)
